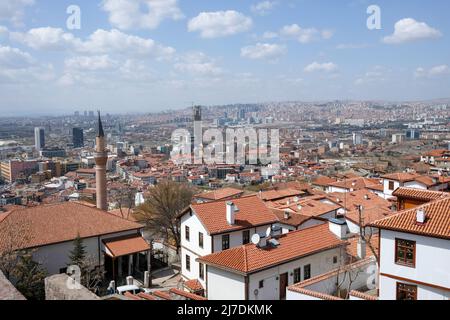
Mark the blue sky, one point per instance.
(152, 55)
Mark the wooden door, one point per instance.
(283, 285)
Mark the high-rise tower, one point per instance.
(39, 138)
(101, 158)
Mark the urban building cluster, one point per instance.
(358, 207)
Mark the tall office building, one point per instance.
(77, 138)
(101, 158)
(197, 113)
(39, 138)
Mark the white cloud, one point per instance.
(408, 30)
(432, 72)
(220, 24)
(13, 58)
(198, 64)
(321, 67)
(46, 38)
(92, 63)
(17, 66)
(305, 35)
(14, 10)
(99, 42)
(115, 41)
(141, 14)
(263, 8)
(263, 51)
(377, 74)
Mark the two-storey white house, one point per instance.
(392, 182)
(263, 271)
(216, 226)
(415, 253)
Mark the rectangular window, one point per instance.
(391, 185)
(201, 271)
(187, 234)
(335, 259)
(200, 240)
(406, 291)
(405, 252)
(297, 275)
(246, 237)
(261, 284)
(188, 263)
(226, 242)
(307, 272)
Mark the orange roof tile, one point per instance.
(437, 223)
(369, 215)
(418, 194)
(279, 194)
(126, 245)
(252, 212)
(193, 285)
(188, 295)
(48, 224)
(355, 183)
(250, 258)
(364, 197)
(220, 194)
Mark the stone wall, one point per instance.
(56, 288)
(8, 291)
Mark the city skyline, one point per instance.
(172, 54)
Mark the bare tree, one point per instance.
(367, 238)
(160, 211)
(125, 199)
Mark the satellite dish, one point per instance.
(268, 232)
(255, 239)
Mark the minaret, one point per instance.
(101, 158)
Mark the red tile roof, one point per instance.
(220, 194)
(44, 225)
(356, 183)
(252, 212)
(193, 285)
(272, 195)
(437, 223)
(364, 197)
(369, 215)
(188, 295)
(295, 245)
(363, 296)
(126, 245)
(418, 194)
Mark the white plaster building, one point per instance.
(216, 226)
(264, 271)
(50, 231)
(415, 253)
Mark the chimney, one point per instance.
(338, 227)
(361, 248)
(231, 213)
(287, 215)
(421, 216)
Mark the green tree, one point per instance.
(30, 276)
(78, 254)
